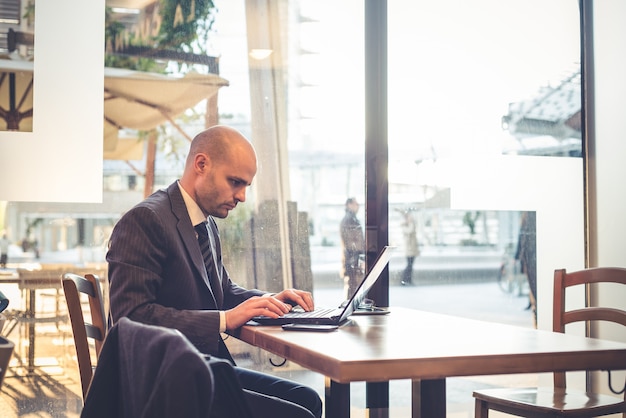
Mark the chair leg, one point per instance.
(480, 409)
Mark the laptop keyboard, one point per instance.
(316, 313)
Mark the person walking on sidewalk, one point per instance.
(4, 251)
(353, 244)
(411, 249)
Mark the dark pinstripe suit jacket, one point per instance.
(157, 274)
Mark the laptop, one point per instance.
(339, 315)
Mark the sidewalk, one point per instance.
(433, 266)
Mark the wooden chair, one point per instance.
(557, 401)
(73, 286)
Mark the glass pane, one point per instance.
(482, 106)
(301, 104)
(306, 121)
(469, 93)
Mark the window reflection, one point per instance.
(463, 84)
(468, 90)
(458, 87)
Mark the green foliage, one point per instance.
(197, 19)
(30, 225)
(185, 27)
(29, 12)
(114, 29)
(470, 219)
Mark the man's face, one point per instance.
(224, 184)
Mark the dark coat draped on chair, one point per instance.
(149, 371)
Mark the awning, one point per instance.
(132, 99)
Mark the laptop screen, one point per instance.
(367, 283)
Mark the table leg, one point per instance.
(377, 399)
(337, 402)
(31, 331)
(428, 398)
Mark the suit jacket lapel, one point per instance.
(188, 235)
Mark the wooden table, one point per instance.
(29, 282)
(428, 348)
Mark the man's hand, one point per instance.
(272, 306)
(298, 297)
(255, 306)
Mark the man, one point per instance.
(353, 244)
(527, 255)
(411, 250)
(158, 274)
(4, 251)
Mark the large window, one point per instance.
(484, 132)
(482, 108)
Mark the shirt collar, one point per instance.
(194, 211)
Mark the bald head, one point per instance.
(220, 166)
(221, 144)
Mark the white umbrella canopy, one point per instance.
(142, 101)
(132, 99)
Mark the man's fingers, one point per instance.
(273, 305)
(304, 299)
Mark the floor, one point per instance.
(54, 390)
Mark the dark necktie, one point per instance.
(207, 255)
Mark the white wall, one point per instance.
(61, 159)
(610, 88)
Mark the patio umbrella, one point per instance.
(132, 99)
(16, 95)
(142, 101)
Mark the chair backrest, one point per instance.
(561, 316)
(73, 286)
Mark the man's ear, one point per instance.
(202, 162)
